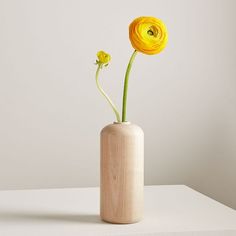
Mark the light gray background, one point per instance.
(184, 98)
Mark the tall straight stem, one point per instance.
(126, 85)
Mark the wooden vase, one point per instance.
(122, 173)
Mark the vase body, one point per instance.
(121, 173)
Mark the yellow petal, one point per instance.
(103, 57)
(148, 35)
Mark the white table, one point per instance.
(169, 210)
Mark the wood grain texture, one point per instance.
(122, 177)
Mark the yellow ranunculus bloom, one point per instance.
(103, 57)
(148, 35)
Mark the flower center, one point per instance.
(153, 31)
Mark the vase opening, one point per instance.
(122, 123)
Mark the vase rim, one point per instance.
(121, 122)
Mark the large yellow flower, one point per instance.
(148, 35)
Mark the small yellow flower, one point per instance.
(103, 58)
(148, 35)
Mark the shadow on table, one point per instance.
(50, 217)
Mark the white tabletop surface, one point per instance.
(169, 210)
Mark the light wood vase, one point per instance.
(122, 173)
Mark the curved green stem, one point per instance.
(106, 96)
(126, 84)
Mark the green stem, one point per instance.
(106, 96)
(126, 84)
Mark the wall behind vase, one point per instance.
(184, 98)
